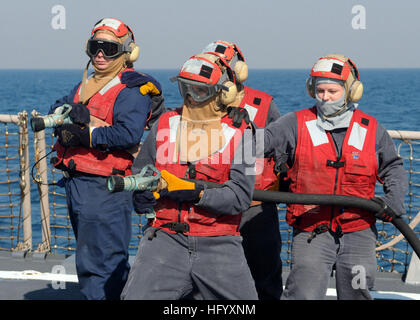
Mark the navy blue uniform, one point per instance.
(101, 220)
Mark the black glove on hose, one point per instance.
(385, 213)
(73, 135)
(79, 114)
(143, 201)
(185, 195)
(238, 115)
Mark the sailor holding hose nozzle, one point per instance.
(334, 149)
(335, 153)
(193, 244)
(99, 126)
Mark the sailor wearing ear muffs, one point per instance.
(336, 148)
(110, 110)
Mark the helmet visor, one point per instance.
(198, 91)
(110, 49)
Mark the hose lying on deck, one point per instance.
(331, 200)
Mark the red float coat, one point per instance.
(214, 168)
(93, 161)
(317, 170)
(257, 103)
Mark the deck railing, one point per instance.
(33, 211)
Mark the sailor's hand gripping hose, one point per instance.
(161, 183)
(58, 118)
(139, 182)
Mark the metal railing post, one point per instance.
(42, 181)
(21, 120)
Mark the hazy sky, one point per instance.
(271, 33)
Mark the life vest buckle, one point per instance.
(335, 164)
(177, 226)
(318, 230)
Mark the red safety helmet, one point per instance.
(116, 26)
(203, 77)
(336, 66)
(332, 67)
(206, 70)
(230, 53)
(224, 49)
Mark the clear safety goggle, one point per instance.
(110, 49)
(198, 91)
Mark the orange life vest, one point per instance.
(93, 161)
(215, 168)
(317, 170)
(257, 103)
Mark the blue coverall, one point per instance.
(101, 220)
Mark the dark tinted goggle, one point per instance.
(110, 49)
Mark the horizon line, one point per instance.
(149, 68)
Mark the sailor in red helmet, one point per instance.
(110, 110)
(260, 224)
(193, 243)
(335, 148)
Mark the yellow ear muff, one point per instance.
(355, 91)
(354, 88)
(134, 54)
(241, 71)
(86, 48)
(228, 96)
(310, 88)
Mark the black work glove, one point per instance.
(143, 201)
(385, 213)
(238, 115)
(186, 195)
(79, 114)
(73, 135)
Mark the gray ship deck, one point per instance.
(34, 278)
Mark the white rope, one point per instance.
(36, 275)
(394, 241)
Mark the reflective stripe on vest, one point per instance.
(317, 170)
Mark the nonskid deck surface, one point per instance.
(38, 278)
(54, 278)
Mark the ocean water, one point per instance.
(390, 95)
